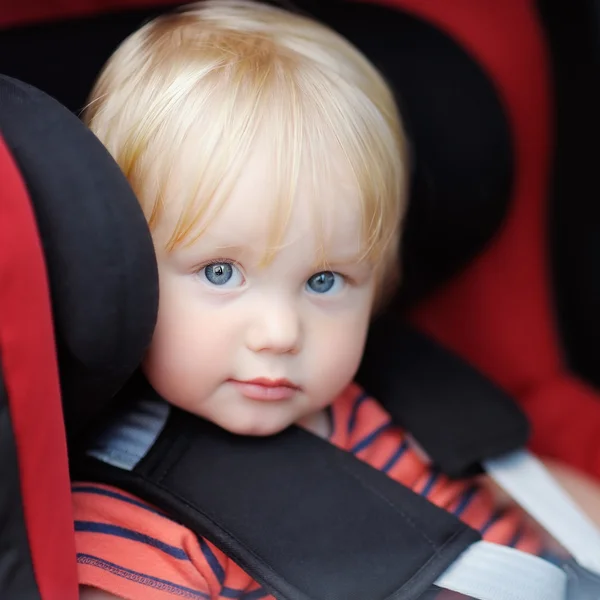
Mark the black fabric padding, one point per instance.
(73, 51)
(99, 253)
(456, 414)
(17, 579)
(573, 30)
(460, 136)
(305, 519)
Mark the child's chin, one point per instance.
(256, 429)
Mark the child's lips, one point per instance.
(266, 390)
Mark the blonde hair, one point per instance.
(226, 70)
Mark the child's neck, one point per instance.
(317, 423)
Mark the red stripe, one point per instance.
(30, 374)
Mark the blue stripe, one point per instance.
(492, 521)
(430, 483)
(141, 578)
(116, 496)
(518, 535)
(255, 595)
(231, 593)
(243, 595)
(467, 496)
(395, 457)
(367, 441)
(93, 527)
(357, 404)
(212, 560)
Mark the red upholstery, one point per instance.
(31, 379)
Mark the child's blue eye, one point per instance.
(222, 274)
(325, 282)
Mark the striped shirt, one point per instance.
(128, 548)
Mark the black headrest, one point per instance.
(460, 135)
(99, 253)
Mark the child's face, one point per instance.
(226, 320)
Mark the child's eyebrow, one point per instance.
(208, 244)
(228, 247)
(236, 250)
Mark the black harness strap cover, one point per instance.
(305, 519)
(458, 416)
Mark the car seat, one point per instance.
(477, 261)
(101, 275)
(56, 206)
(103, 282)
(72, 344)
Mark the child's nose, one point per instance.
(276, 329)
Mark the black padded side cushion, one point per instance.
(98, 249)
(306, 520)
(456, 414)
(16, 570)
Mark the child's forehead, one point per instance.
(325, 208)
(330, 230)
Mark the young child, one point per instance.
(268, 157)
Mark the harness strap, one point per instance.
(458, 416)
(530, 484)
(305, 519)
(491, 572)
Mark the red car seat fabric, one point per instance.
(499, 313)
(34, 500)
